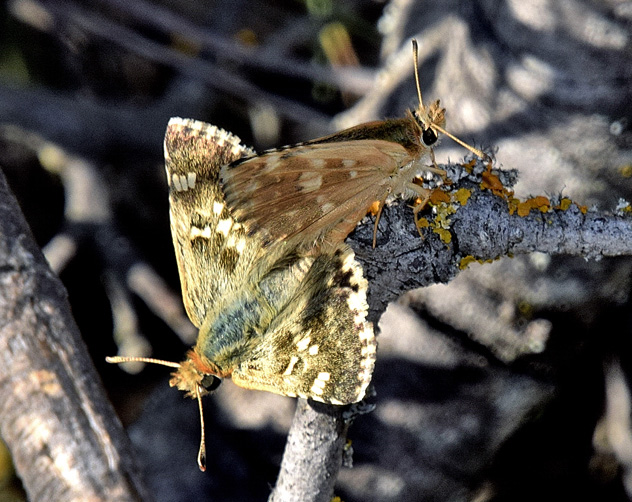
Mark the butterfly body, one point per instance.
(317, 191)
(272, 317)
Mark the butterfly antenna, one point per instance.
(202, 451)
(475, 151)
(149, 360)
(416, 66)
(198, 394)
(472, 149)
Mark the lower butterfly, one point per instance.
(272, 317)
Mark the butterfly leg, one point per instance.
(434, 168)
(424, 195)
(377, 219)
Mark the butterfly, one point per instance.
(317, 191)
(270, 316)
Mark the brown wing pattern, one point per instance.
(312, 192)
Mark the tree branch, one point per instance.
(485, 224)
(66, 441)
(470, 223)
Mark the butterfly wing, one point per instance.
(303, 328)
(312, 192)
(320, 345)
(210, 246)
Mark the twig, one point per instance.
(209, 73)
(482, 229)
(66, 441)
(357, 81)
(313, 454)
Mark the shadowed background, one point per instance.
(510, 383)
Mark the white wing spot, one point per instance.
(357, 302)
(313, 350)
(323, 375)
(310, 181)
(353, 174)
(290, 367)
(205, 233)
(176, 182)
(240, 246)
(319, 383)
(231, 241)
(191, 177)
(368, 351)
(366, 334)
(303, 344)
(350, 163)
(218, 207)
(223, 226)
(183, 182)
(315, 389)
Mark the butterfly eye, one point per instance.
(210, 383)
(428, 137)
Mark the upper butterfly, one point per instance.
(318, 191)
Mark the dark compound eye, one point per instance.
(210, 382)
(428, 137)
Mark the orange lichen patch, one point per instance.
(491, 181)
(470, 165)
(540, 203)
(564, 204)
(444, 234)
(513, 203)
(462, 195)
(437, 196)
(465, 261)
(423, 223)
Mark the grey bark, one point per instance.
(66, 441)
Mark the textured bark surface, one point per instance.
(66, 442)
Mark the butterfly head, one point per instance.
(428, 119)
(194, 377)
(431, 119)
